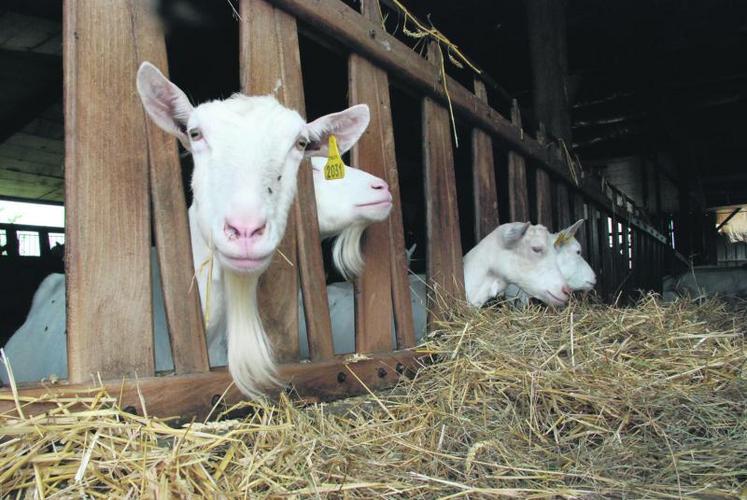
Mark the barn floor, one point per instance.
(591, 400)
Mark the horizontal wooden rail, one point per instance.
(371, 40)
(196, 394)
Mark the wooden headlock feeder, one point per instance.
(120, 167)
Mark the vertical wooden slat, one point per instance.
(270, 54)
(171, 227)
(107, 251)
(543, 189)
(444, 254)
(594, 246)
(579, 212)
(626, 273)
(563, 206)
(373, 304)
(518, 196)
(484, 191)
(607, 255)
(616, 268)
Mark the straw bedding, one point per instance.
(588, 401)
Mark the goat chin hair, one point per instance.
(346, 252)
(250, 358)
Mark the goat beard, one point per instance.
(250, 359)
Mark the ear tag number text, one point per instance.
(334, 169)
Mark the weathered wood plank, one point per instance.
(615, 269)
(543, 188)
(107, 251)
(484, 189)
(444, 253)
(607, 255)
(171, 225)
(594, 247)
(195, 395)
(518, 196)
(579, 212)
(563, 205)
(270, 54)
(375, 154)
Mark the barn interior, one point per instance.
(652, 94)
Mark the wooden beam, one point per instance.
(107, 247)
(170, 221)
(444, 247)
(543, 188)
(383, 288)
(518, 195)
(563, 206)
(195, 395)
(547, 43)
(485, 194)
(23, 186)
(269, 53)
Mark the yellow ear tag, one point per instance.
(334, 168)
(562, 239)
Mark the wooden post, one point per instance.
(483, 176)
(543, 188)
(269, 53)
(626, 271)
(563, 205)
(579, 212)
(171, 225)
(616, 268)
(444, 253)
(605, 252)
(517, 176)
(547, 45)
(383, 288)
(594, 247)
(107, 251)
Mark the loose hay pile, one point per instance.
(591, 400)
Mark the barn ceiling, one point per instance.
(31, 125)
(645, 76)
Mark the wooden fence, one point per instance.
(113, 182)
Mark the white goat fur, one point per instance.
(514, 253)
(37, 348)
(246, 153)
(577, 272)
(345, 207)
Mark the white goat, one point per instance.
(345, 207)
(577, 272)
(246, 153)
(37, 348)
(515, 253)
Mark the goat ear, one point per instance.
(565, 235)
(347, 127)
(571, 230)
(164, 102)
(514, 232)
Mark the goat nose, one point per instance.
(566, 290)
(246, 229)
(379, 185)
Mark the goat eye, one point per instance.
(195, 134)
(578, 252)
(537, 249)
(269, 190)
(302, 143)
(280, 177)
